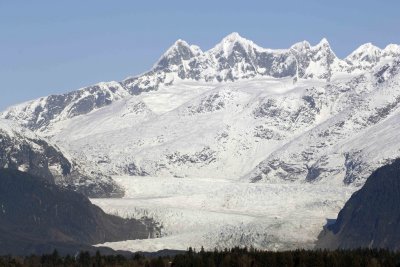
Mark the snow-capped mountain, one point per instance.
(237, 112)
(23, 150)
(234, 58)
(237, 105)
(349, 145)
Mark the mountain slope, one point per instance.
(338, 147)
(238, 113)
(264, 129)
(234, 58)
(23, 150)
(237, 105)
(37, 217)
(370, 218)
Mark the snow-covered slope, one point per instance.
(39, 114)
(194, 135)
(234, 58)
(220, 213)
(267, 114)
(23, 150)
(256, 129)
(237, 112)
(349, 145)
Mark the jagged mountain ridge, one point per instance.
(234, 58)
(330, 122)
(262, 123)
(351, 144)
(23, 150)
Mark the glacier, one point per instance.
(236, 145)
(218, 213)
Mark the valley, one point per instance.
(238, 145)
(196, 212)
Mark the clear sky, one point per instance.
(49, 47)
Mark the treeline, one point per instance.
(241, 257)
(236, 257)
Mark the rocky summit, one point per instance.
(228, 131)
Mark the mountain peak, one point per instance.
(301, 46)
(366, 52)
(368, 47)
(323, 43)
(392, 49)
(178, 44)
(179, 51)
(229, 42)
(233, 37)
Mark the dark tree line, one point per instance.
(236, 257)
(241, 257)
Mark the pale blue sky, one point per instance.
(49, 47)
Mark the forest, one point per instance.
(236, 257)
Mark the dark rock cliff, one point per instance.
(371, 218)
(37, 217)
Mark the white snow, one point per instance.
(153, 130)
(224, 213)
(218, 120)
(13, 130)
(227, 43)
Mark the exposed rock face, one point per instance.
(20, 149)
(37, 217)
(297, 114)
(234, 58)
(348, 145)
(370, 219)
(39, 114)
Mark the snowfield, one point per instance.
(236, 111)
(224, 213)
(237, 145)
